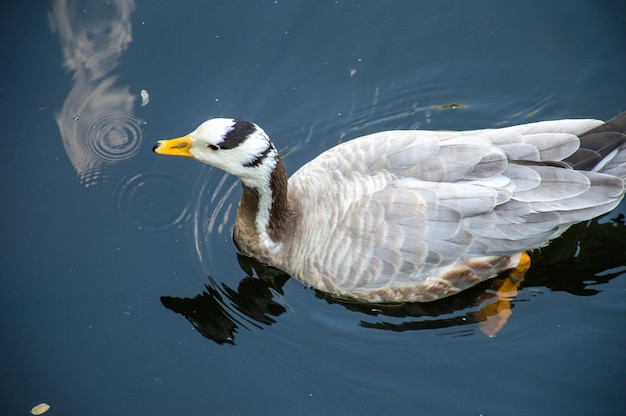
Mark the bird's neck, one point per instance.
(265, 216)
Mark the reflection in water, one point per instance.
(585, 256)
(218, 311)
(96, 121)
(113, 137)
(590, 255)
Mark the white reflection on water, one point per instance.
(96, 122)
(211, 212)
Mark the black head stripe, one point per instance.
(238, 134)
(259, 159)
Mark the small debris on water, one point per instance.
(40, 409)
(145, 98)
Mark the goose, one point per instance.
(414, 215)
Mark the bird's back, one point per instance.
(418, 215)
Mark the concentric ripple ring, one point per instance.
(114, 137)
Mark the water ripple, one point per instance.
(154, 200)
(114, 137)
(212, 211)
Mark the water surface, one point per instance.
(108, 248)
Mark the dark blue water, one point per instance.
(121, 291)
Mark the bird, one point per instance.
(413, 215)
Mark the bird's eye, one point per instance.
(213, 147)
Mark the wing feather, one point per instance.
(555, 184)
(395, 207)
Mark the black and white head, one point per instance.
(236, 146)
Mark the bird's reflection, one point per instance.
(587, 255)
(219, 310)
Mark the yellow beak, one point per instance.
(174, 147)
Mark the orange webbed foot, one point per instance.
(495, 314)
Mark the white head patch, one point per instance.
(237, 147)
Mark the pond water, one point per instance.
(122, 291)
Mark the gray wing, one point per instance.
(400, 206)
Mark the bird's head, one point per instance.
(236, 146)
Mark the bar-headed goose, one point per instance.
(414, 215)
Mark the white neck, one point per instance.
(265, 188)
(263, 219)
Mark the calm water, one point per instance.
(121, 289)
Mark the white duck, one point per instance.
(414, 215)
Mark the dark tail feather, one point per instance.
(604, 146)
(615, 125)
